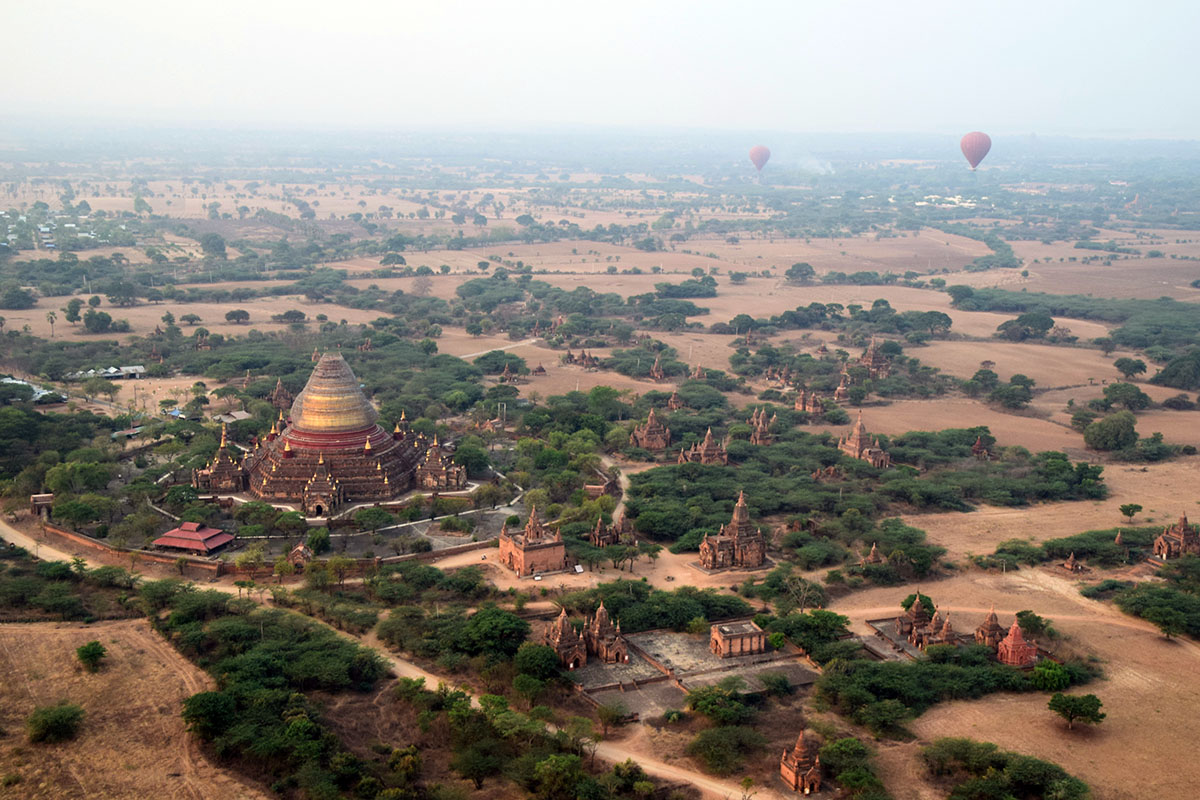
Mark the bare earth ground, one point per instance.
(1149, 690)
(902, 416)
(132, 743)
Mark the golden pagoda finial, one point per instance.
(281, 415)
(321, 458)
(274, 430)
(385, 480)
(402, 416)
(397, 428)
(287, 447)
(367, 446)
(224, 436)
(378, 466)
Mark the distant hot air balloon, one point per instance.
(759, 155)
(975, 146)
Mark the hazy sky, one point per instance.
(1082, 68)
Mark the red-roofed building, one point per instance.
(195, 537)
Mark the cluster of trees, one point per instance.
(641, 607)
(267, 659)
(1098, 547)
(980, 770)
(32, 589)
(1174, 606)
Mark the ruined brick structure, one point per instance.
(737, 639)
(436, 470)
(739, 544)
(858, 444)
(223, 473)
(979, 450)
(535, 549)
(600, 639)
(603, 535)
(708, 451)
(653, 435)
(990, 633)
(809, 403)
(280, 397)
(656, 370)
(874, 361)
(1178, 540)
(761, 435)
(674, 402)
(330, 451)
(800, 767)
(842, 392)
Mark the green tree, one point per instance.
(800, 272)
(1172, 622)
(1115, 432)
(213, 245)
(538, 660)
(1128, 395)
(1084, 708)
(1129, 509)
(71, 311)
(372, 519)
(209, 714)
(91, 655)
(557, 777)
(1130, 366)
(610, 714)
(478, 761)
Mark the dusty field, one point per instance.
(1163, 490)
(962, 412)
(132, 743)
(1048, 365)
(143, 319)
(1149, 691)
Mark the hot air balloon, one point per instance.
(759, 155)
(975, 146)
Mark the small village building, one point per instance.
(194, 537)
(800, 767)
(40, 504)
(535, 549)
(653, 435)
(739, 544)
(737, 639)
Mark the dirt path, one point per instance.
(513, 346)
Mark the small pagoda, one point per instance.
(653, 435)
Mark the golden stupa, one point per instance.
(331, 451)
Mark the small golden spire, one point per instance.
(224, 437)
(287, 447)
(397, 428)
(367, 446)
(402, 417)
(321, 458)
(378, 466)
(385, 480)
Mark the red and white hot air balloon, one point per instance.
(759, 156)
(975, 145)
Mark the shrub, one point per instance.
(722, 750)
(56, 723)
(91, 655)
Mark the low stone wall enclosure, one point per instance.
(80, 544)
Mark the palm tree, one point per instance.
(51, 317)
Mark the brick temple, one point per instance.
(739, 544)
(534, 549)
(800, 767)
(1177, 540)
(653, 435)
(600, 639)
(328, 452)
(708, 451)
(859, 444)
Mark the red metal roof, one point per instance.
(194, 536)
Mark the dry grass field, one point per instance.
(132, 743)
